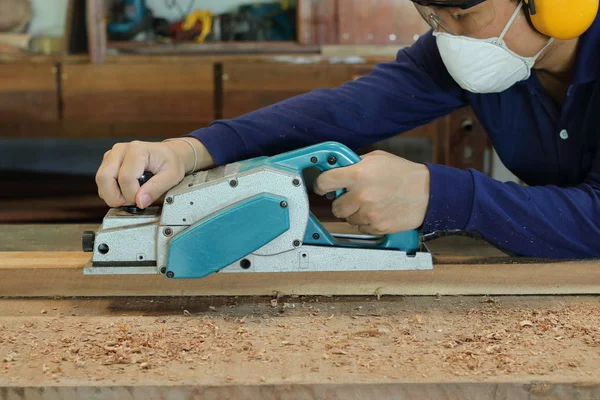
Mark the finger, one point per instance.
(345, 205)
(156, 186)
(359, 218)
(106, 177)
(134, 164)
(370, 230)
(335, 179)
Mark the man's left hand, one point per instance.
(384, 193)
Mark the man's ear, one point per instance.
(528, 17)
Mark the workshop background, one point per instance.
(77, 76)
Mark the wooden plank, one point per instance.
(527, 390)
(60, 274)
(283, 77)
(164, 49)
(135, 93)
(58, 208)
(248, 87)
(28, 93)
(67, 237)
(361, 50)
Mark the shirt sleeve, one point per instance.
(533, 221)
(395, 97)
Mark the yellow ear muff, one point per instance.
(563, 19)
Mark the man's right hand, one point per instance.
(117, 177)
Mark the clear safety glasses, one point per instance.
(457, 18)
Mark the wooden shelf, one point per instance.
(153, 48)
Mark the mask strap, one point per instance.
(509, 24)
(543, 48)
(510, 21)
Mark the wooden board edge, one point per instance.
(530, 390)
(41, 274)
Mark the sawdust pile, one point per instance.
(297, 341)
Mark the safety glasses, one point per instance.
(457, 17)
(463, 5)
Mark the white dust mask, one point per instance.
(484, 65)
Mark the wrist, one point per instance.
(452, 192)
(192, 153)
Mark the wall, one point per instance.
(48, 17)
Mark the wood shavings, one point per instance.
(370, 332)
(458, 337)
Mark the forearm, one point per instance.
(549, 221)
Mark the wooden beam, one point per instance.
(527, 390)
(96, 25)
(61, 274)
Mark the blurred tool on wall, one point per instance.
(130, 20)
(274, 21)
(269, 21)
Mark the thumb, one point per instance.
(156, 187)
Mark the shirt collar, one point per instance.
(587, 59)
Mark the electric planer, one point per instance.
(251, 216)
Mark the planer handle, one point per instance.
(326, 156)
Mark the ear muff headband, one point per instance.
(562, 19)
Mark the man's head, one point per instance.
(537, 21)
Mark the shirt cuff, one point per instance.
(450, 199)
(222, 142)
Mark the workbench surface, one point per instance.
(459, 347)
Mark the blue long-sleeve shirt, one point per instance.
(553, 148)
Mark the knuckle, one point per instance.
(113, 203)
(320, 184)
(362, 173)
(101, 178)
(123, 178)
(371, 215)
(136, 145)
(382, 228)
(365, 196)
(98, 178)
(358, 173)
(337, 212)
